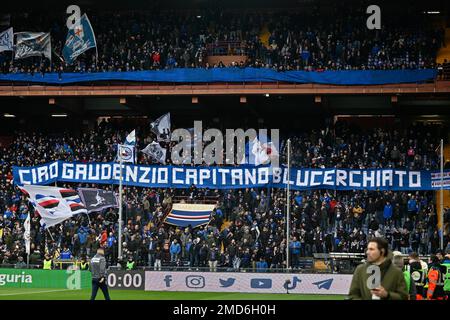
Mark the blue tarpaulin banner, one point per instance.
(243, 176)
(184, 75)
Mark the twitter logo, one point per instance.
(226, 283)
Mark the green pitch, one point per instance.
(84, 294)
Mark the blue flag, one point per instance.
(79, 39)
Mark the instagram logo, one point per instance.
(195, 282)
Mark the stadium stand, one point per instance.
(299, 40)
(247, 224)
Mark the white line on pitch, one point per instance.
(33, 292)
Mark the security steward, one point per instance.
(435, 289)
(419, 272)
(84, 264)
(98, 270)
(47, 264)
(130, 263)
(445, 267)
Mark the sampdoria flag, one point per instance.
(155, 152)
(33, 44)
(125, 152)
(54, 204)
(185, 214)
(79, 39)
(161, 127)
(97, 199)
(7, 40)
(260, 151)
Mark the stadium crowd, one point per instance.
(247, 229)
(294, 40)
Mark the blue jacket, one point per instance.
(412, 205)
(111, 240)
(387, 214)
(82, 236)
(261, 265)
(65, 254)
(295, 247)
(175, 248)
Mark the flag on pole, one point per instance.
(155, 152)
(54, 204)
(130, 140)
(161, 127)
(33, 44)
(27, 234)
(97, 199)
(7, 40)
(79, 39)
(126, 153)
(260, 151)
(185, 214)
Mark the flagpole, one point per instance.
(120, 205)
(28, 241)
(288, 200)
(50, 234)
(441, 214)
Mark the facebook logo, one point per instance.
(168, 280)
(261, 283)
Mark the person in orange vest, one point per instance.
(435, 289)
(419, 272)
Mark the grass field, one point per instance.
(84, 294)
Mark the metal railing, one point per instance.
(226, 48)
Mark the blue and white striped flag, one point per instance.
(185, 214)
(54, 204)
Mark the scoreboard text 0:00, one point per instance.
(123, 279)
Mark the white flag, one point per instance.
(156, 152)
(7, 40)
(31, 44)
(259, 152)
(131, 138)
(259, 156)
(54, 204)
(27, 234)
(161, 127)
(125, 152)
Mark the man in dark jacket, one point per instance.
(98, 269)
(392, 285)
(213, 256)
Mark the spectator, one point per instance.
(175, 250)
(20, 263)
